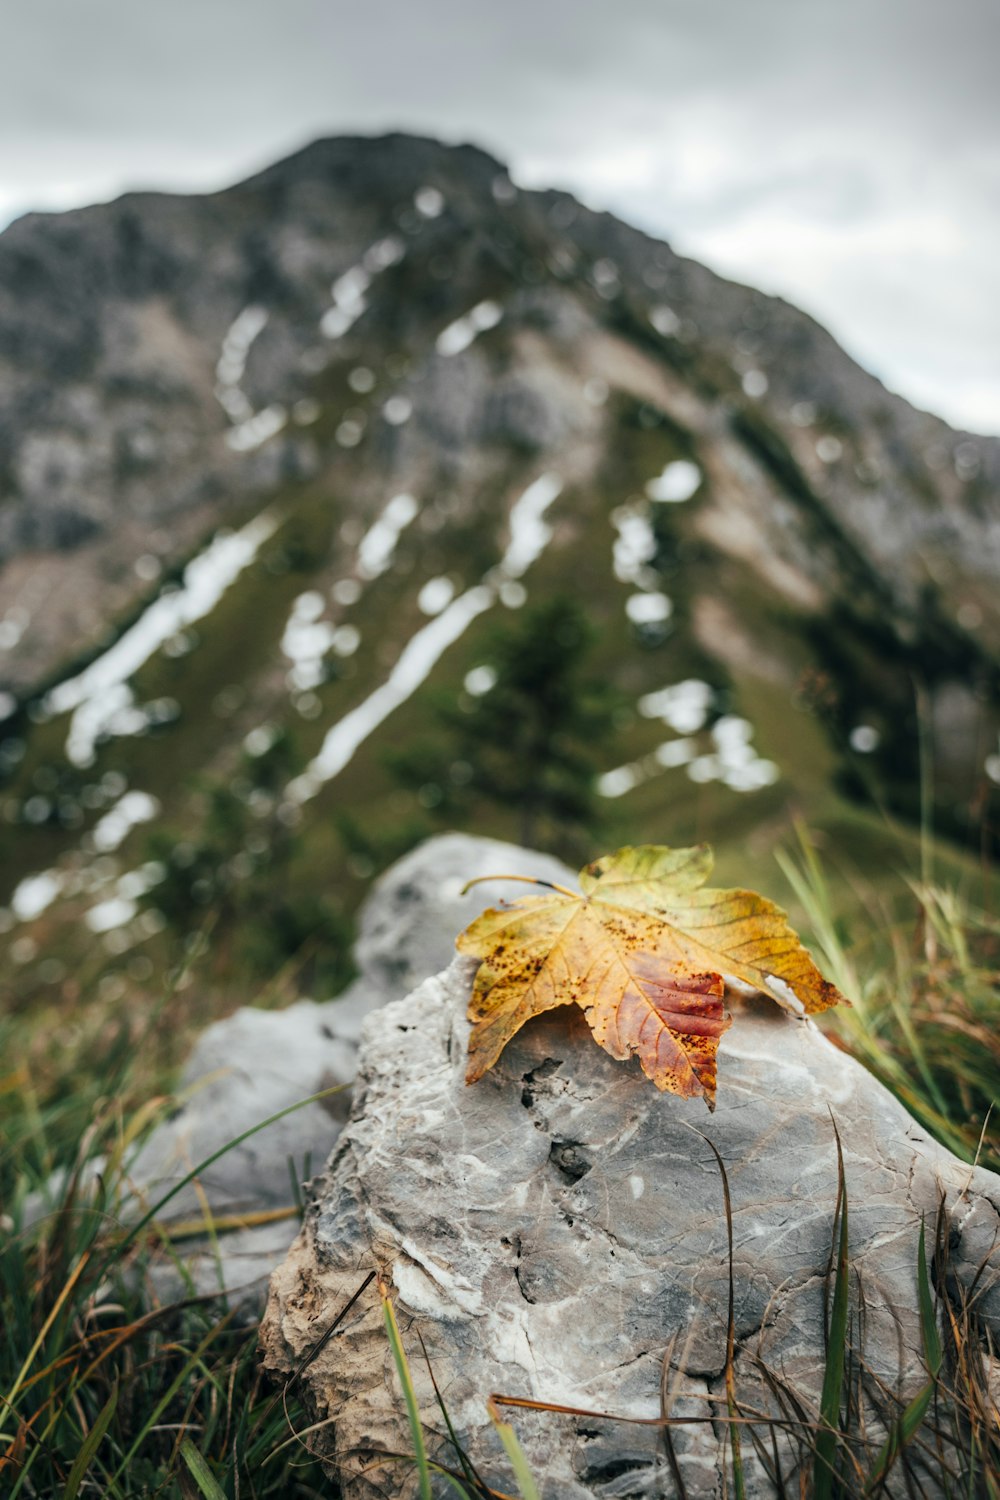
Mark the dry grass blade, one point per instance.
(745, 1419)
(666, 1399)
(8, 1399)
(315, 1350)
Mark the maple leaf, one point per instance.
(644, 949)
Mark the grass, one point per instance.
(106, 1389)
(925, 987)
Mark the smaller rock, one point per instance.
(243, 1070)
(257, 1063)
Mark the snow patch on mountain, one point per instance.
(529, 535)
(465, 330)
(99, 697)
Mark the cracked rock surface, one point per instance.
(557, 1232)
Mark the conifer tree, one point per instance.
(527, 741)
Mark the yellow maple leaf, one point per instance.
(644, 949)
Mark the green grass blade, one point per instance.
(409, 1396)
(452, 1482)
(526, 1485)
(933, 1352)
(463, 1458)
(89, 1447)
(209, 1161)
(906, 1426)
(825, 1456)
(739, 1484)
(200, 1472)
(10, 1396)
(902, 1432)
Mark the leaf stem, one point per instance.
(549, 885)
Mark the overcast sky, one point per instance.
(845, 153)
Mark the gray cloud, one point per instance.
(843, 152)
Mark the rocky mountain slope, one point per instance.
(275, 461)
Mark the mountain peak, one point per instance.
(387, 162)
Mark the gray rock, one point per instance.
(556, 1232)
(243, 1070)
(410, 921)
(257, 1063)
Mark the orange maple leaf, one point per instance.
(644, 950)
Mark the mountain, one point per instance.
(277, 460)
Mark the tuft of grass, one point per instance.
(925, 987)
(104, 1389)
